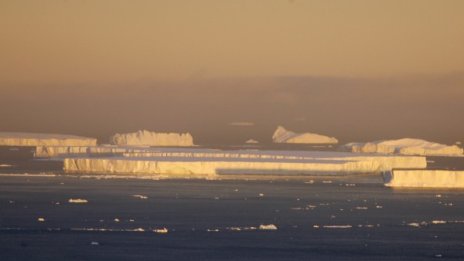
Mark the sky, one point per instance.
(99, 67)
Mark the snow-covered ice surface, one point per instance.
(149, 138)
(210, 163)
(425, 178)
(42, 139)
(281, 135)
(406, 146)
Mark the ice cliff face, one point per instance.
(281, 135)
(406, 146)
(148, 138)
(41, 139)
(425, 178)
(207, 163)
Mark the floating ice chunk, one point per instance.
(139, 229)
(116, 220)
(281, 135)
(436, 222)
(337, 226)
(78, 201)
(162, 230)
(6, 165)
(361, 208)
(140, 196)
(41, 219)
(406, 146)
(148, 138)
(94, 243)
(234, 228)
(212, 230)
(267, 227)
(425, 178)
(43, 139)
(327, 181)
(261, 194)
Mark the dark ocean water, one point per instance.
(322, 219)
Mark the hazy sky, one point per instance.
(113, 41)
(354, 69)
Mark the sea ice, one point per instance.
(78, 201)
(140, 196)
(161, 230)
(267, 227)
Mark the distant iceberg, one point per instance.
(252, 141)
(149, 138)
(42, 139)
(281, 135)
(406, 146)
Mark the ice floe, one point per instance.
(78, 201)
(267, 227)
(140, 196)
(162, 230)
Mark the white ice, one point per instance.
(209, 163)
(149, 138)
(281, 135)
(406, 146)
(42, 139)
(425, 178)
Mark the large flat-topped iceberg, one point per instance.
(281, 135)
(406, 146)
(213, 163)
(63, 151)
(42, 139)
(425, 178)
(149, 138)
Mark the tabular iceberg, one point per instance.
(207, 163)
(406, 146)
(42, 139)
(425, 178)
(281, 135)
(148, 138)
